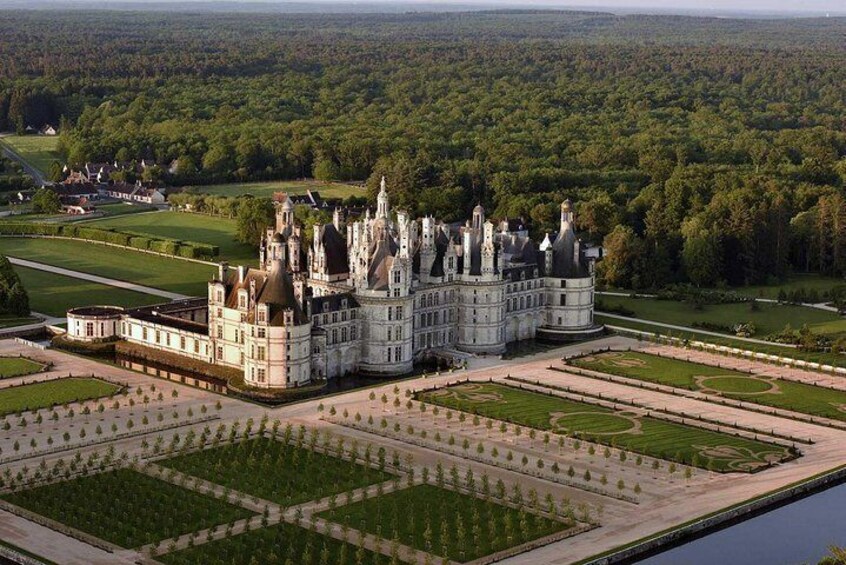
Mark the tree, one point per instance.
(623, 250)
(254, 217)
(45, 201)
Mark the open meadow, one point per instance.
(185, 227)
(54, 295)
(40, 151)
(175, 275)
(268, 188)
(767, 318)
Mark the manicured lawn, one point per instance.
(151, 270)
(835, 359)
(36, 396)
(279, 544)
(778, 393)
(8, 321)
(622, 428)
(54, 295)
(17, 366)
(460, 527)
(127, 508)
(266, 189)
(806, 282)
(768, 318)
(272, 470)
(38, 150)
(186, 227)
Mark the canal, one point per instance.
(794, 534)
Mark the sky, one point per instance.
(833, 6)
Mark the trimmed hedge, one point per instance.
(166, 246)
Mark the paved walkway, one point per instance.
(98, 279)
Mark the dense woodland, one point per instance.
(699, 150)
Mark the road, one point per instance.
(98, 279)
(37, 176)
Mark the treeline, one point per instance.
(13, 297)
(698, 150)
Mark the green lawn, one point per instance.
(835, 359)
(276, 545)
(768, 318)
(9, 321)
(17, 366)
(54, 295)
(127, 508)
(622, 428)
(795, 282)
(186, 227)
(266, 189)
(175, 275)
(272, 470)
(460, 527)
(36, 396)
(38, 150)
(769, 391)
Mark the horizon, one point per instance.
(714, 8)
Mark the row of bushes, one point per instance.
(692, 294)
(144, 242)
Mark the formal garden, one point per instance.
(283, 543)
(18, 366)
(450, 523)
(758, 389)
(126, 507)
(288, 472)
(34, 396)
(628, 429)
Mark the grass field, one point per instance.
(9, 321)
(54, 295)
(835, 359)
(38, 150)
(266, 189)
(280, 544)
(768, 318)
(127, 508)
(272, 470)
(151, 270)
(778, 393)
(627, 429)
(795, 282)
(36, 396)
(188, 227)
(460, 527)
(17, 366)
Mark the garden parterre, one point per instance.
(277, 471)
(445, 522)
(126, 508)
(630, 429)
(44, 394)
(758, 389)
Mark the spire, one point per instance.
(382, 200)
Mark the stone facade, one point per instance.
(377, 294)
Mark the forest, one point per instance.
(708, 151)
